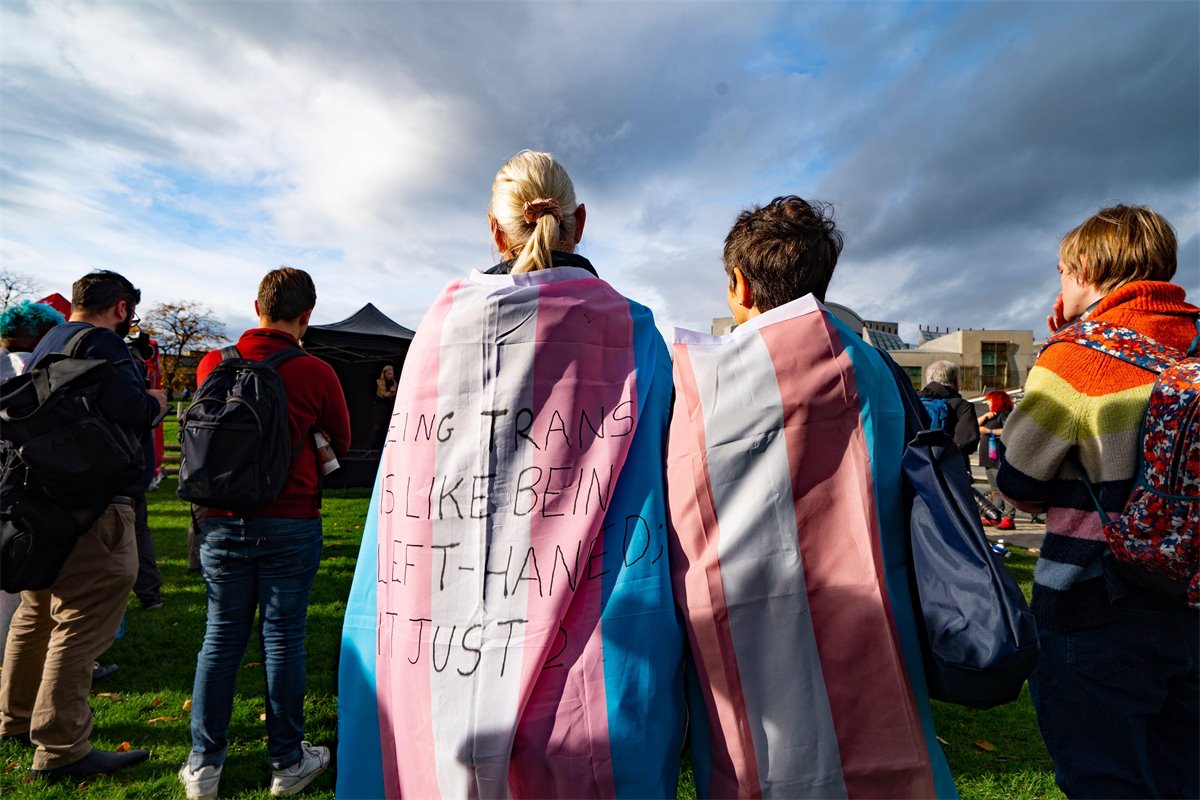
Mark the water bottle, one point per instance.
(999, 549)
(325, 454)
(993, 447)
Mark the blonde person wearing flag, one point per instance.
(511, 629)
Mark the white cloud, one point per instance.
(194, 146)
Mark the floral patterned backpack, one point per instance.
(1158, 531)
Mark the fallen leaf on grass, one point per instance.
(162, 719)
(252, 665)
(109, 695)
(187, 704)
(1033, 550)
(124, 747)
(12, 765)
(262, 717)
(156, 702)
(984, 744)
(943, 741)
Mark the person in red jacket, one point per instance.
(267, 560)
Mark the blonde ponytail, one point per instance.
(536, 252)
(533, 202)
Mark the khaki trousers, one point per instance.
(58, 632)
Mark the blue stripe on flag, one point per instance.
(360, 755)
(642, 637)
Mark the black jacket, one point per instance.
(995, 423)
(557, 259)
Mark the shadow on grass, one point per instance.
(158, 658)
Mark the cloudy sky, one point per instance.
(194, 146)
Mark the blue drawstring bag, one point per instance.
(979, 639)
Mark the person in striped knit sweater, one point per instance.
(1116, 690)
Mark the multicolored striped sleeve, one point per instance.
(1066, 423)
(1038, 438)
(1081, 414)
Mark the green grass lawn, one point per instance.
(144, 702)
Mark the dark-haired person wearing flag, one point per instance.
(789, 547)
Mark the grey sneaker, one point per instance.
(200, 784)
(293, 779)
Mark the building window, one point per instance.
(968, 378)
(993, 373)
(914, 375)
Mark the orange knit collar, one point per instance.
(1155, 296)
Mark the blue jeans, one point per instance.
(265, 564)
(1118, 705)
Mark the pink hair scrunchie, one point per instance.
(543, 205)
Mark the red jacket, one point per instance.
(315, 400)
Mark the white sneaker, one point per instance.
(200, 784)
(302, 773)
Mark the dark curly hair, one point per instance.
(785, 249)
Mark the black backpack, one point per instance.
(36, 533)
(50, 415)
(61, 463)
(235, 450)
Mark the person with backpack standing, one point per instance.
(1116, 690)
(948, 410)
(59, 632)
(261, 537)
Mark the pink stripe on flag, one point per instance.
(699, 589)
(878, 730)
(566, 673)
(405, 709)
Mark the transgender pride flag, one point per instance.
(511, 631)
(790, 561)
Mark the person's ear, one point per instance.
(580, 218)
(257, 313)
(498, 237)
(742, 290)
(305, 316)
(740, 298)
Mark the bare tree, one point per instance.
(15, 286)
(179, 327)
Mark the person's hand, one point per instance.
(161, 397)
(1057, 317)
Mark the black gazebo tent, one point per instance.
(358, 348)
